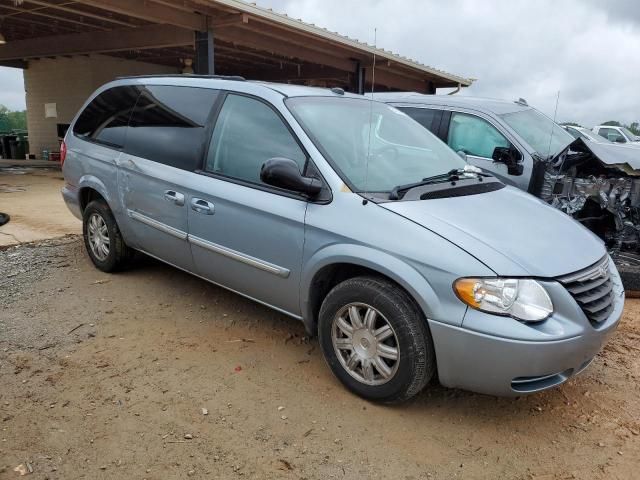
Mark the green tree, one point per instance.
(612, 123)
(10, 120)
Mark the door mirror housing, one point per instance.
(463, 155)
(510, 157)
(284, 173)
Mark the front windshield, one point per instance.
(545, 136)
(349, 131)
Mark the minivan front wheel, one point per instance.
(102, 238)
(375, 339)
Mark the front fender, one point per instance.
(393, 267)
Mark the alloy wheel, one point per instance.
(365, 343)
(98, 235)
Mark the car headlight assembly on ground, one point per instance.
(522, 299)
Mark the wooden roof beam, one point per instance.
(152, 12)
(64, 8)
(264, 43)
(38, 12)
(152, 36)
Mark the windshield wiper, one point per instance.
(451, 176)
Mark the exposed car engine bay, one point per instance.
(584, 182)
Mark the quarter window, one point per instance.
(169, 125)
(474, 136)
(425, 117)
(105, 118)
(248, 133)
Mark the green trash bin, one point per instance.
(17, 150)
(6, 145)
(23, 144)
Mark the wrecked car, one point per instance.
(597, 183)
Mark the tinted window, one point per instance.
(247, 134)
(105, 118)
(425, 117)
(168, 125)
(474, 136)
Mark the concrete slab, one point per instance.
(32, 199)
(5, 163)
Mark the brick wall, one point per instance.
(68, 82)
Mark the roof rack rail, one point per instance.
(186, 75)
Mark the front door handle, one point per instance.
(202, 206)
(174, 197)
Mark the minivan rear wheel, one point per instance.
(102, 238)
(375, 340)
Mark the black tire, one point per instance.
(416, 364)
(120, 254)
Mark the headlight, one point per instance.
(521, 299)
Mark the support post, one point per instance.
(360, 78)
(205, 59)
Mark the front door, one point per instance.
(244, 234)
(478, 138)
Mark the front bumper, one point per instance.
(510, 358)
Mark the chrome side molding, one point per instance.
(163, 227)
(240, 257)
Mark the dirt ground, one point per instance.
(32, 198)
(156, 374)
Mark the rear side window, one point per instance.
(425, 117)
(169, 125)
(105, 119)
(248, 133)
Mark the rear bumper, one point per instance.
(71, 197)
(500, 366)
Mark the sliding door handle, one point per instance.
(202, 206)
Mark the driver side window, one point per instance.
(474, 136)
(248, 133)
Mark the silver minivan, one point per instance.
(346, 214)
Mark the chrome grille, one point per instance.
(592, 288)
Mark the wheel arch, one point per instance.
(92, 188)
(335, 264)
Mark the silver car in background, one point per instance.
(597, 183)
(346, 214)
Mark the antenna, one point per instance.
(373, 83)
(553, 126)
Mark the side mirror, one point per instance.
(284, 173)
(463, 155)
(620, 139)
(510, 157)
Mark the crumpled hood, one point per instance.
(510, 231)
(624, 156)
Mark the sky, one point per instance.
(588, 51)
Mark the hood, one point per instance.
(623, 156)
(510, 231)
